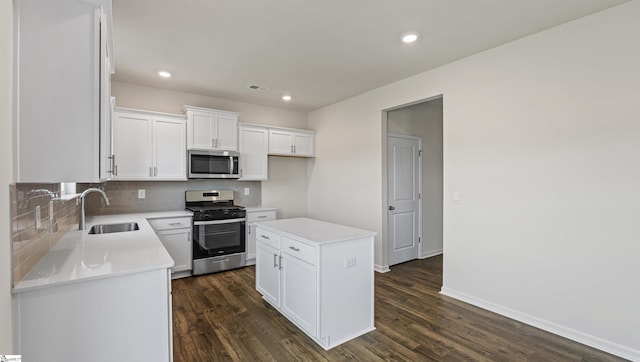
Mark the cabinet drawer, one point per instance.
(267, 237)
(299, 250)
(171, 223)
(261, 216)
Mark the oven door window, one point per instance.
(218, 239)
(207, 164)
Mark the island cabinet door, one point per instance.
(268, 273)
(299, 293)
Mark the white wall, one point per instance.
(6, 82)
(286, 188)
(541, 139)
(425, 120)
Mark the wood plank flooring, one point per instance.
(221, 317)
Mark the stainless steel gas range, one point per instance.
(218, 231)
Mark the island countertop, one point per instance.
(314, 231)
(79, 256)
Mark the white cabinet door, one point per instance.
(251, 241)
(252, 217)
(254, 147)
(299, 292)
(170, 149)
(268, 273)
(226, 137)
(58, 74)
(178, 244)
(303, 145)
(280, 142)
(148, 146)
(211, 129)
(201, 130)
(132, 139)
(291, 143)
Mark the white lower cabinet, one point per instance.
(175, 235)
(324, 288)
(254, 215)
(299, 292)
(124, 318)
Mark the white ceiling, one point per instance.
(318, 51)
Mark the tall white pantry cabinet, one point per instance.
(319, 275)
(63, 65)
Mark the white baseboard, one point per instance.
(381, 268)
(581, 337)
(431, 253)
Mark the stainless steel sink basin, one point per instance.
(114, 228)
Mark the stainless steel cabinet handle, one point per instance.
(155, 171)
(275, 260)
(175, 224)
(294, 248)
(112, 161)
(265, 237)
(294, 148)
(150, 171)
(115, 170)
(280, 263)
(213, 142)
(262, 217)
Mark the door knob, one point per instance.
(391, 208)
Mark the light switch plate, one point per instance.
(142, 193)
(247, 191)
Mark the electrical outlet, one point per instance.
(142, 193)
(350, 262)
(247, 191)
(456, 198)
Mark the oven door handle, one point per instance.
(217, 222)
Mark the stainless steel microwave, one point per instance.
(213, 164)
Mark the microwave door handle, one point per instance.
(231, 163)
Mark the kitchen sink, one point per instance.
(114, 228)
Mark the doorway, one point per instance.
(409, 237)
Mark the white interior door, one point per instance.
(404, 184)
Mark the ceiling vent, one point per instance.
(257, 87)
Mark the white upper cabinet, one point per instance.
(291, 142)
(254, 148)
(148, 146)
(211, 129)
(62, 89)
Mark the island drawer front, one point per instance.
(299, 250)
(171, 223)
(267, 237)
(261, 216)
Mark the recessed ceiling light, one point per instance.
(286, 98)
(164, 74)
(409, 37)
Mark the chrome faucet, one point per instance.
(81, 225)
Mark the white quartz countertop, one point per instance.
(314, 231)
(79, 256)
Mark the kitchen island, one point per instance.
(319, 275)
(99, 297)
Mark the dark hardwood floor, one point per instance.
(220, 317)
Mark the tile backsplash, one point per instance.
(161, 195)
(39, 218)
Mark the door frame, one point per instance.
(413, 138)
(384, 120)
